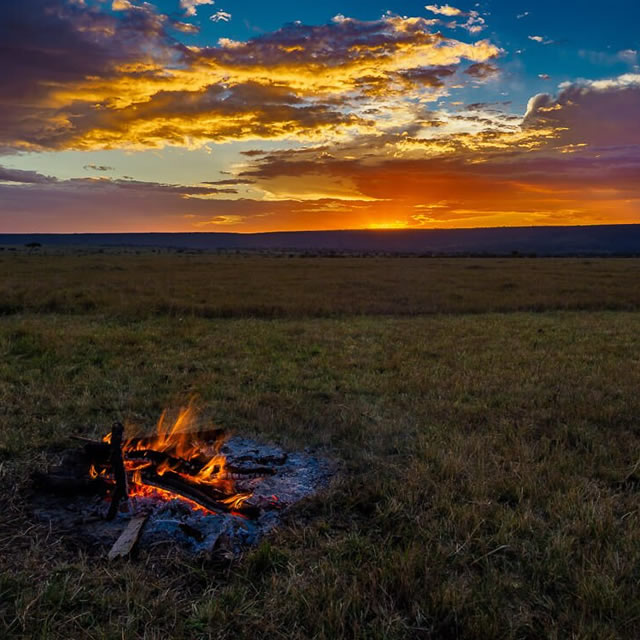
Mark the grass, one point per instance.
(141, 286)
(490, 461)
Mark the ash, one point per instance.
(276, 478)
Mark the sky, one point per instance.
(247, 116)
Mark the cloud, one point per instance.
(482, 70)
(49, 47)
(360, 108)
(24, 177)
(444, 10)
(573, 158)
(221, 16)
(602, 113)
(231, 181)
(121, 5)
(184, 27)
(473, 24)
(84, 79)
(629, 56)
(98, 167)
(190, 7)
(540, 39)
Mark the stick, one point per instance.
(128, 538)
(117, 465)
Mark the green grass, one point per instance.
(490, 462)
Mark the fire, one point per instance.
(179, 456)
(176, 438)
(146, 491)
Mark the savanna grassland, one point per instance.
(485, 414)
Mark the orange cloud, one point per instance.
(297, 83)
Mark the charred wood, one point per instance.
(67, 485)
(117, 466)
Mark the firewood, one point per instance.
(68, 485)
(160, 457)
(177, 485)
(97, 452)
(128, 538)
(117, 465)
(179, 482)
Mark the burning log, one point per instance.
(128, 538)
(159, 458)
(199, 494)
(193, 467)
(171, 479)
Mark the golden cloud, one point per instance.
(301, 82)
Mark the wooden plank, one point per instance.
(128, 538)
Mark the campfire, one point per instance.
(199, 481)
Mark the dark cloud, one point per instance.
(140, 186)
(98, 167)
(230, 181)
(482, 70)
(600, 113)
(46, 45)
(24, 177)
(77, 206)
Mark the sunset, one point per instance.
(190, 115)
(319, 320)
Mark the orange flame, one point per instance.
(180, 442)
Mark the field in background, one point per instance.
(491, 461)
(139, 286)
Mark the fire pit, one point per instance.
(198, 489)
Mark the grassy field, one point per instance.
(490, 460)
(132, 286)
